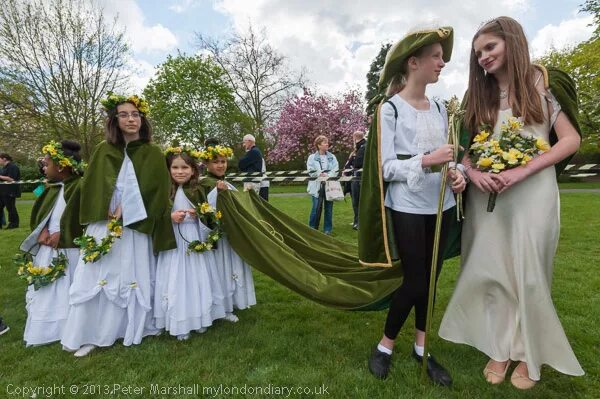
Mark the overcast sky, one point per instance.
(336, 40)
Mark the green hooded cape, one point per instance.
(154, 181)
(314, 265)
(69, 221)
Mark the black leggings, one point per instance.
(414, 239)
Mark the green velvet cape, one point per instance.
(153, 179)
(314, 265)
(69, 221)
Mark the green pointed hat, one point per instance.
(413, 41)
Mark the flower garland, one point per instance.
(40, 276)
(112, 100)
(211, 218)
(54, 150)
(91, 250)
(212, 152)
(194, 154)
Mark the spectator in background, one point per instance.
(357, 164)
(9, 192)
(321, 163)
(253, 162)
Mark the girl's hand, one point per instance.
(485, 182)
(178, 216)
(191, 212)
(43, 237)
(512, 177)
(53, 239)
(222, 186)
(116, 214)
(457, 180)
(438, 157)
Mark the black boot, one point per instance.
(379, 363)
(436, 372)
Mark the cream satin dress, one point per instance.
(502, 303)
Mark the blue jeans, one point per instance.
(328, 220)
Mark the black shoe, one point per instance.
(3, 327)
(379, 363)
(355, 226)
(436, 372)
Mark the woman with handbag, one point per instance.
(321, 163)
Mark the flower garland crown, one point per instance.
(183, 149)
(54, 150)
(112, 100)
(212, 152)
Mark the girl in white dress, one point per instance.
(55, 222)
(128, 183)
(502, 303)
(236, 276)
(188, 288)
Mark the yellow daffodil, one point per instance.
(498, 167)
(481, 137)
(541, 144)
(485, 162)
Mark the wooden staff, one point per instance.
(454, 115)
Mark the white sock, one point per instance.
(383, 349)
(419, 349)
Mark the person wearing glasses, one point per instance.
(124, 195)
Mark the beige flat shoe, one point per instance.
(521, 381)
(494, 377)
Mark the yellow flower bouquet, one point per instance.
(510, 150)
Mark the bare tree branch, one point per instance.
(260, 77)
(66, 56)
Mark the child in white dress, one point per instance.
(188, 289)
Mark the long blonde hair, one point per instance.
(482, 99)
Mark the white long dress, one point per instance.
(112, 298)
(502, 303)
(188, 289)
(47, 308)
(235, 274)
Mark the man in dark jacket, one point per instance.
(253, 162)
(357, 164)
(9, 192)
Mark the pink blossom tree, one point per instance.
(305, 117)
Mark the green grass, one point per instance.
(579, 185)
(287, 340)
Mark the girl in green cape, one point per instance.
(125, 205)
(502, 304)
(412, 135)
(54, 224)
(188, 289)
(236, 276)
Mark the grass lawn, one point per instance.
(288, 341)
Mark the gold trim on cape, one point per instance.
(382, 198)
